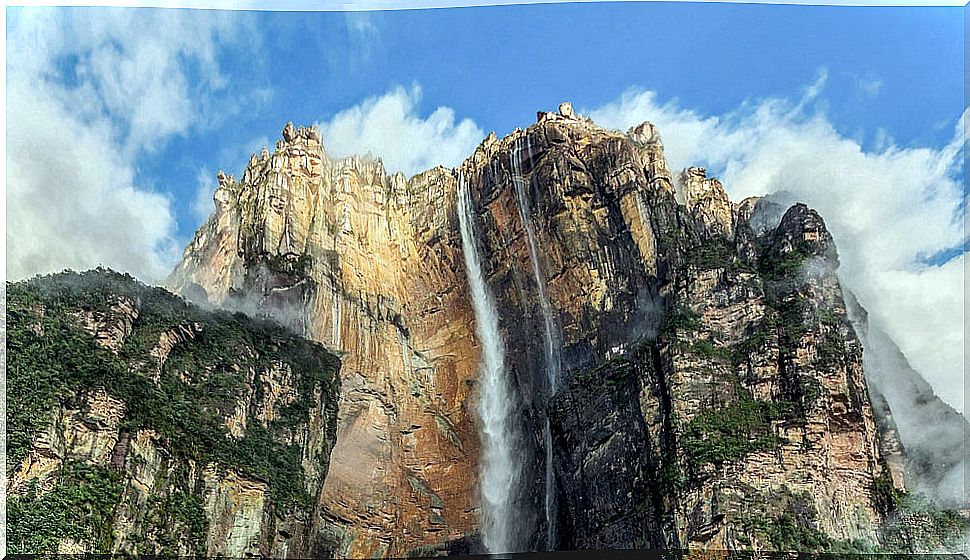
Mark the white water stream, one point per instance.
(553, 358)
(499, 471)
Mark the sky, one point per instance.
(117, 120)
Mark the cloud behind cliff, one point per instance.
(894, 211)
(90, 96)
(390, 126)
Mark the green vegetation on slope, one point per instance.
(79, 507)
(715, 253)
(775, 265)
(744, 426)
(53, 362)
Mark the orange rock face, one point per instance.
(595, 248)
(383, 285)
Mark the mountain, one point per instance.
(665, 367)
(559, 344)
(139, 424)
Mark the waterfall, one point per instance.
(553, 363)
(499, 471)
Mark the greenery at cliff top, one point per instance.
(52, 363)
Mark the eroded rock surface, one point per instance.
(693, 358)
(142, 425)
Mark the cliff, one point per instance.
(564, 333)
(138, 424)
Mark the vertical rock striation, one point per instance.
(684, 370)
(369, 264)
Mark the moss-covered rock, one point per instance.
(111, 379)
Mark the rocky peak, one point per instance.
(645, 133)
(707, 201)
(565, 113)
(647, 137)
(802, 229)
(223, 179)
(654, 305)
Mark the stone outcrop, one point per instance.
(690, 359)
(713, 386)
(145, 426)
(113, 325)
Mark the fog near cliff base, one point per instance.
(891, 210)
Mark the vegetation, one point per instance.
(831, 349)
(780, 272)
(716, 436)
(790, 314)
(915, 525)
(930, 528)
(293, 265)
(785, 265)
(786, 533)
(79, 507)
(612, 375)
(189, 511)
(171, 517)
(789, 533)
(671, 477)
(709, 350)
(919, 525)
(53, 362)
(679, 319)
(884, 494)
(774, 265)
(764, 332)
(743, 425)
(715, 253)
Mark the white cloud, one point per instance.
(362, 24)
(390, 126)
(88, 93)
(889, 208)
(70, 199)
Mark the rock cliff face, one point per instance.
(140, 425)
(685, 374)
(370, 265)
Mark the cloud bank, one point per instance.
(88, 93)
(893, 210)
(390, 127)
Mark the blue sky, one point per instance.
(888, 68)
(118, 119)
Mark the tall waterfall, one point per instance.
(552, 347)
(499, 469)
